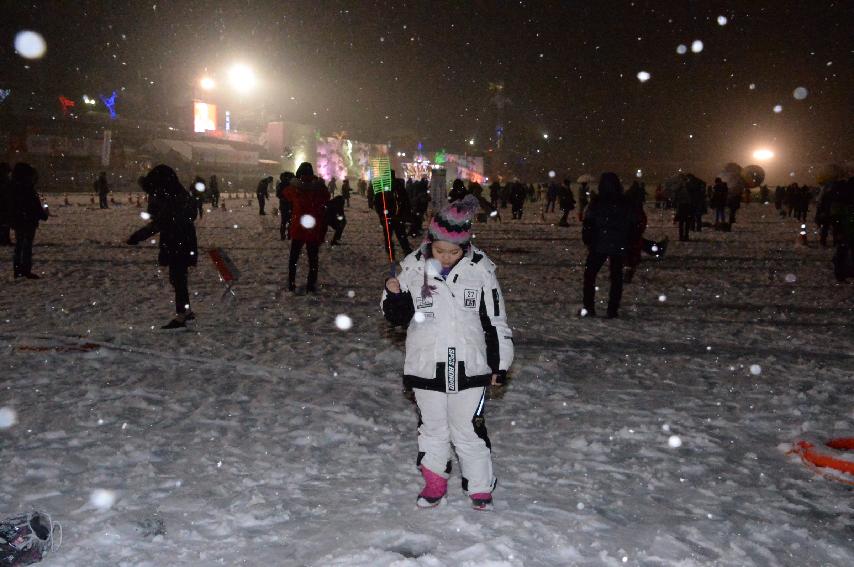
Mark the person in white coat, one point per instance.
(458, 343)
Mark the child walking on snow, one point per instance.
(458, 343)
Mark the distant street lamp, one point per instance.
(207, 84)
(242, 78)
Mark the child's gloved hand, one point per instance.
(392, 285)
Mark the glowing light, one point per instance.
(471, 142)
(110, 103)
(755, 369)
(207, 83)
(89, 101)
(199, 186)
(778, 108)
(722, 21)
(144, 216)
(696, 46)
(800, 93)
(681, 49)
(242, 78)
(30, 44)
(763, 154)
(639, 173)
(643, 76)
(552, 174)
(674, 441)
(545, 136)
(752, 86)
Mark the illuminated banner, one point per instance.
(204, 117)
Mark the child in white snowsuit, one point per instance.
(458, 343)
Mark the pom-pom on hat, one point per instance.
(453, 223)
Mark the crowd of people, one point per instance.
(613, 219)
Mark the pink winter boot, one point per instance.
(481, 501)
(434, 489)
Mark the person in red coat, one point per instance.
(308, 197)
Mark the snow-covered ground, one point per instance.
(267, 436)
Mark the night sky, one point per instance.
(378, 69)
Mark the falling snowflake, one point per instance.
(307, 221)
(800, 93)
(755, 369)
(722, 20)
(144, 216)
(551, 174)
(696, 46)
(681, 49)
(351, 294)
(343, 322)
(791, 278)
(752, 86)
(102, 499)
(643, 76)
(8, 417)
(674, 441)
(662, 298)
(30, 44)
(199, 186)
(778, 108)
(419, 317)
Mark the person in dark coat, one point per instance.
(198, 191)
(399, 212)
(583, 199)
(213, 188)
(518, 192)
(172, 213)
(734, 196)
(842, 221)
(566, 201)
(420, 203)
(779, 199)
(335, 218)
(551, 198)
(26, 212)
(5, 205)
(494, 192)
(458, 191)
(802, 203)
(102, 188)
(308, 196)
(345, 192)
(284, 205)
(262, 194)
(697, 194)
(682, 203)
(609, 224)
(719, 200)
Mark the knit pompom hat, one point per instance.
(453, 223)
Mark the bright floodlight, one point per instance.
(763, 154)
(30, 44)
(242, 78)
(207, 83)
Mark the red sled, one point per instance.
(225, 267)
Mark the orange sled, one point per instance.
(828, 455)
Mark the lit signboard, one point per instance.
(204, 117)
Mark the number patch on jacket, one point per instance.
(470, 297)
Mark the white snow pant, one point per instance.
(458, 419)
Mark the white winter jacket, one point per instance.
(458, 334)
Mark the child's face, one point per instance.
(446, 253)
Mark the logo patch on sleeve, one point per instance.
(470, 297)
(424, 302)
